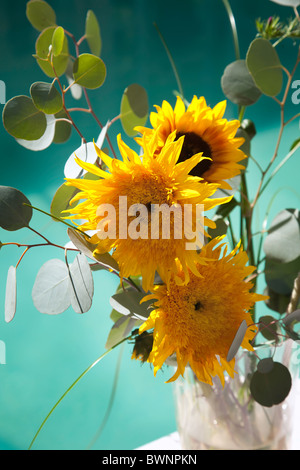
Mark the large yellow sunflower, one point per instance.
(204, 130)
(145, 181)
(198, 321)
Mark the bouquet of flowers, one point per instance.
(173, 220)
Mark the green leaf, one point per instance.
(288, 3)
(42, 47)
(81, 284)
(43, 142)
(245, 147)
(294, 144)
(282, 243)
(89, 71)
(238, 85)
(46, 97)
(92, 32)
(292, 317)
(249, 126)
(14, 215)
(264, 366)
(277, 302)
(225, 209)
(271, 386)
(22, 119)
(268, 327)
(87, 248)
(58, 39)
(280, 277)
(40, 14)
(63, 129)
(134, 108)
(237, 341)
(264, 65)
(221, 227)
(11, 294)
(61, 200)
(128, 303)
(121, 328)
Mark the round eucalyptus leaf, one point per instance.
(75, 89)
(134, 108)
(14, 215)
(42, 47)
(22, 119)
(265, 366)
(40, 14)
(63, 128)
(288, 3)
(61, 200)
(277, 302)
(46, 97)
(87, 153)
(249, 126)
(238, 85)
(292, 317)
(280, 276)
(220, 228)
(89, 71)
(272, 387)
(268, 328)
(237, 341)
(81, 286)
(129, 303)
(92, 33)
(282, 243)
(50, 288)
(43, 142)
(10, 294)
(58, 39)
(121, 328)
(87, 248)
(264, 65)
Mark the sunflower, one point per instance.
(145, 183)
(198, 321)
(204, 130)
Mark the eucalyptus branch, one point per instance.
(282, 126)
(179, 84)
(97, 120)
(90, 108)
(63, 92)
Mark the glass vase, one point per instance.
(227, 418)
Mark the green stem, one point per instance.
(233, 28)
(111, 401)
(180, 88)
(73, 385)
(57, 218)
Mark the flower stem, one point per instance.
(73, 385)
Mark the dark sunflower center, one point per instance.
(193, 144)
(198, 306)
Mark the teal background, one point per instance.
(45, 354)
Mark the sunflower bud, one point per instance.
(142, 346)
